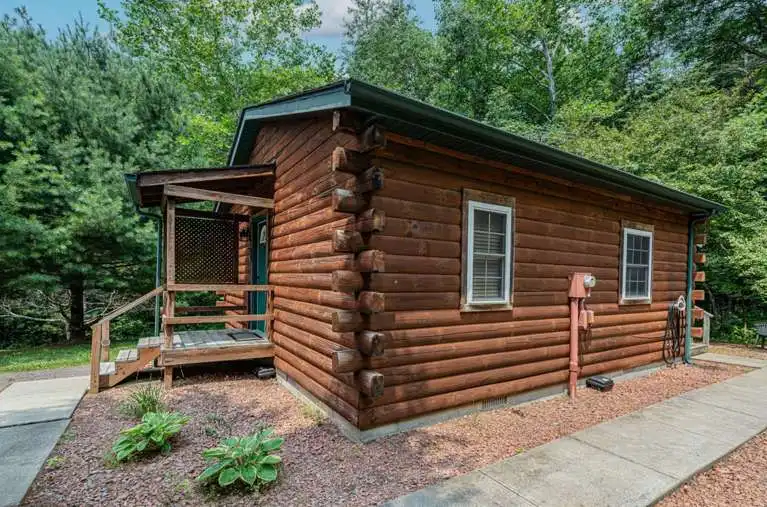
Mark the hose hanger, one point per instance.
(674, 335)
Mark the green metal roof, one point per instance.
(419, 120)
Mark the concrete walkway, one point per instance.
(33, 416)
(633, 460)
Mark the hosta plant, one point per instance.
(152, 434)
(244, 460)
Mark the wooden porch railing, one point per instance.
(100, 337)
(169, 318)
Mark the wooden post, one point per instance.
(170, 278)
(105, 341)
(95, 359)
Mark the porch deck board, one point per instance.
(213, 345)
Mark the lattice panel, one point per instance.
(206, 250)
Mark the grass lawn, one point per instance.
(44, 358)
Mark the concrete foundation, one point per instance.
(357, 435)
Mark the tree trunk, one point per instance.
(550, 80)
(77, 331)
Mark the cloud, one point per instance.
(333, 12)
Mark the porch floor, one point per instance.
(213, 345)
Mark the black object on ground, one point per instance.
(600, 383)
(265, 373)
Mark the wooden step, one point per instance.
(107, 368)
(149, 342)
(127, 356)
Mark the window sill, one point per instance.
(495, 307)
(634, 302)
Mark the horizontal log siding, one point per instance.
(302, 261)
(436, 356)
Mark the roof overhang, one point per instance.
(427, 123)
(146, 189)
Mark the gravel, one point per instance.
(321, 467)
(733, 349)
(739, 479)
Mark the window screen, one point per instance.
(489, 253)
(637, 264)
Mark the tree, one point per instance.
(729, 37)
(385, 45)
(75, 114)
(227, 54)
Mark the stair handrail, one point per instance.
(100, 335)
(130, 306)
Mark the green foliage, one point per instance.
(151, 435)
(248, 460)
(227, 54)
(386, 45)
(145, 399)
(76, 115)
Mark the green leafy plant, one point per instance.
(152, 434)
(245, 459)
(145, 399)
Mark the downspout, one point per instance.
(694, 220)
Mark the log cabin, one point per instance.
(401, 263)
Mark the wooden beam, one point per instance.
(370, 382)
(215, 319)
(347, 241)
(130, 306)
(170, 240)
(349, 161)
(698, 313)
(347, 201)
(345, 321)
(371, 343)
(699, 258)
(215, 287)
(700, 276)
(346, 361)
(186, 212)
(698, 295)
(371, 261)
(95, 359)
(696, 332)
(199, 194)
(700, 239)
(346, 281)
(200, 175)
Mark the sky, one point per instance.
(56, 14)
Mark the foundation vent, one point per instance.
(494, 403)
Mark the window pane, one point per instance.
(489, 256)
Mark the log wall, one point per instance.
(365, 257)
(437, 356)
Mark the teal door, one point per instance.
(259, 263)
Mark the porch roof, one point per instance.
(146, 188)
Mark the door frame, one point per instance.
(255, 224)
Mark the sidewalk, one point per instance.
(633, 460)
(33, 416)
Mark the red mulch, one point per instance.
(739, 479)
(321, 467)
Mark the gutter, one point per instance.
(695, 219)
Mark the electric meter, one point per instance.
(589, 281)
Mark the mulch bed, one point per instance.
(321, 467)
(739, 479)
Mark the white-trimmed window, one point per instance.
(636, 265)
(489, 254)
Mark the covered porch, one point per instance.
(199, 250)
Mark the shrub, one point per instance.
(152, 434)
(246, 459)
(145, 399)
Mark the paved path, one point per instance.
(7, 379)
(33, 415)
(749, 362)
(633, 460)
